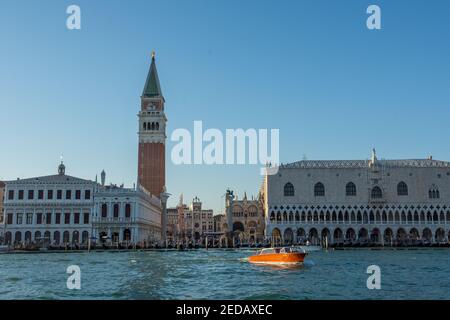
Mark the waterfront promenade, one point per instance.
(190, 247)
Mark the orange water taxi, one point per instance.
(284, 255)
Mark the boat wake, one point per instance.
(309, 263)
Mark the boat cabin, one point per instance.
(277, 250)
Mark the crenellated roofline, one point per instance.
(351, 164)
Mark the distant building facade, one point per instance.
(378, 201)
(123, 215)
(190, 222)
(173, 226)
(220, 221)
(248, 222)
(48, 210)
(2, 199)
(64, 210)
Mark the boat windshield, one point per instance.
(269, 251)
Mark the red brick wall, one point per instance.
(152, 167)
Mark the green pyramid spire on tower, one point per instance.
(152, 87)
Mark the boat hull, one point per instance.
(278, 258)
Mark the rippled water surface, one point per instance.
(215, 274)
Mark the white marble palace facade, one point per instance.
(47, 210)
(373, 201)
(63, 210)
(124, 215)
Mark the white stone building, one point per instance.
(61, 210)
(123, 215)
(2, 199)
(359, 201)
(54, 209)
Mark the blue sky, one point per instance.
(310, 68)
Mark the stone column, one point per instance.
(164, 196)
(229, 205)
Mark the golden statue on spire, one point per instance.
(153, 54)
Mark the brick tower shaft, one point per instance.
(152, 135)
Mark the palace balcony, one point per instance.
(113, 220)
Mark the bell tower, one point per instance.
(152, 135)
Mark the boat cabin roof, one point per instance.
(277, 250)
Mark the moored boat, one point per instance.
(283, 255)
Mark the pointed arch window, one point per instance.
(433, 193)
(288, 190)
(402, 189)
(350, 189)
(319, 189)
(377, 193)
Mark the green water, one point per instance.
(215, 274)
